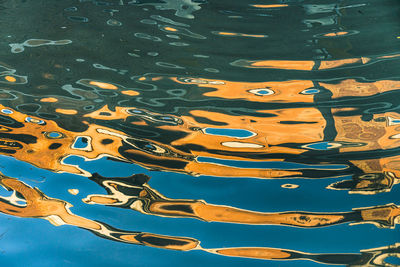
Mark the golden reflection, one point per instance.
(309, 65)
(38, 205)
(49, 99)
(103, 85)
(58, 213)
(282, 64)
(270, 6)
(170, 29)
(335, 34)
(10, 79)
(314, 115)
(255, 91)
(66, 111)
(236, 34)
(306, 65)
(134, 193)
(130, 93)
(367, 257)
(213, 142)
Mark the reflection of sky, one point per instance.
(35, 242)
(141, 49)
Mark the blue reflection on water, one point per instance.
(235, 133)
(66, 245)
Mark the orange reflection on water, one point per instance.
(130, 92)
(38, 205)
(66, 111)
(335, 34)
(311, 65)
(269, 6)
(103, 85)
(306, 65)
(49, 99)
(171, 29)
(282, 64)
(10, 79)
(267, 131)
(236, 34)
(351, 87)
(149, 201)
(285, 91)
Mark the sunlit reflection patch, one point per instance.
(336, 34)
(9, 78)
(98, 84)
(33, 120)
(310, 91)
(66, 111)
(238, 34)
(49, 99)
(4, 129)
(130, 93)
(103, 85)
(15, 198)
(262, 91)
(6, 111)
(180, 31)
(270, 6)
(322, 146)
(290, 186)
(73, 191)
(241, 145)
(235, 133)
(393, 121)
(396, 136)
(275, 64)
(13, 79)
(170, 29)
(54, 135)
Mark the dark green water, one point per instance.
(267, 131)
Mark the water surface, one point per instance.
(201, 133)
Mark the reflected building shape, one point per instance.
(369, 257)
(37, 205)
(135, 193)
(28, 202)
(330, 140)
(288, 90)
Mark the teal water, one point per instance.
(199, 133)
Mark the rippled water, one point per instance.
(268, 131)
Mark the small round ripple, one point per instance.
(78, 19)
(290, 186)
(113, 22)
